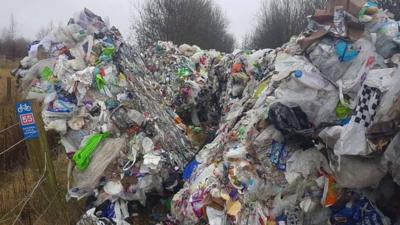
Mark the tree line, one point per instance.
(12, 46)
(278, 20)
(201, 22)
(198, 22)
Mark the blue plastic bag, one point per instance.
(277, 154)
(187, 172)
(359, 211)
(345, 51)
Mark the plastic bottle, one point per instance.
(311, 80)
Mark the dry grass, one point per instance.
(17, 179)
(5, 68)
(16, 185)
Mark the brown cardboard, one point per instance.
(351, 6)
(355, 34)
(322, 17)
(314, 37)
(216, 203)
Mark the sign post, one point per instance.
(31, 123)
(27, 120)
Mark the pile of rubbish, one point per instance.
(122, 139)
(198, 83)
(188, 86)
(308, 132)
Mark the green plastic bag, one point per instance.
(197, 130)
(183, 72)
(342, 111)
(109, 51)
(83, 155)
(100, 82)
(261, 87)
(47, 73)
(241, 133)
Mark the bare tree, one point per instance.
(247, 41)
(11, 34)
(12, 30)
(281, 19)
(10, 45)
(198, 22)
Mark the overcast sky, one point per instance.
(31, 15)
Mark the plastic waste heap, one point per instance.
(305, 134)
(308, 131)
(120, 136)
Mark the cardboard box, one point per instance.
(315, 37)
(351, 6)
(322, 16)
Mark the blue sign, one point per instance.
(27, 120)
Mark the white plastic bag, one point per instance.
(353, 139)
(358, 172)
(215, 217)
(388, 108)
(353, 77)
(392, 155)
(59, 126)
(324, 57)
(318, 98)
(107, 152)
(306, 163)
(330, 135)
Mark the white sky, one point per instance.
(31, 15)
